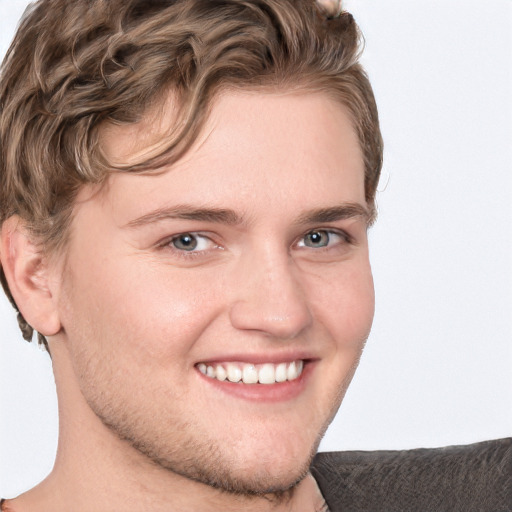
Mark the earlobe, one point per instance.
(28, 276)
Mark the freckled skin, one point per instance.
(138, 312)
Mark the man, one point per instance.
(186, 191)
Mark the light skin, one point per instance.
(273, 268)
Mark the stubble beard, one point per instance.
(206, 463)
(187, 450)
(198, 457)
(185, 447)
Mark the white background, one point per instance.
(437, 367)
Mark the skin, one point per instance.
(130, 314)
(331, 7)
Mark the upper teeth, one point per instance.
(267, 373)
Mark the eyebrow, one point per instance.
(335, 213)
(188, 212)
(231, 218)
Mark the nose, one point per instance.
(269, 297)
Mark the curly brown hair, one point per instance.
(74, 66)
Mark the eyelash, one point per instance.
(168, 243)
(345, 238)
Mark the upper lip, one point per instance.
(260, 358)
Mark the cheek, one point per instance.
(153, 310)
(345, 304)
(170, 310)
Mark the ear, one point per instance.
(28, 276)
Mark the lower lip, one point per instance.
(268, 393)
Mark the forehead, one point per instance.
(252, 144)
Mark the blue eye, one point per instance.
(191, 242)
(323, 239)
(185, 242)
(317, 239)
(189, 245)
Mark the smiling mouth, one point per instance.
(247, 373)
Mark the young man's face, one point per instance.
(249, 258)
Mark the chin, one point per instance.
(268, 465)
(257, 479)
(263, 464)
